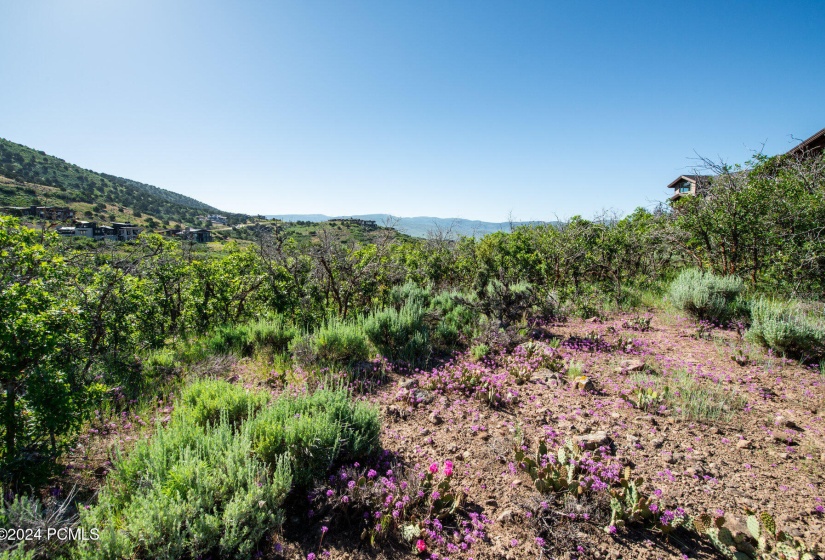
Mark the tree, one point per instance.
(36, 321)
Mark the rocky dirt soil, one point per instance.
(767, 455)
(765, 451)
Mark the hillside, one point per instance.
(418, 226)
(30, 177)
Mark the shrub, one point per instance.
(189, 491)
(410, 293)
(160, 364)
(202, 487)
(705, 295)
(455, 321)
(246, 339)
(334, 344)
(507, 303)
(400, 335)
(786, 328)
(479, 352)
(315, 431)
(203, 402)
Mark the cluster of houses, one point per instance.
(118, 231)
(54, 213)
(124, 231)
(189, 234)
(688, 185)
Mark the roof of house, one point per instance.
(691, 178)
(812, 144)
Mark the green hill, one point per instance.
(30, 177)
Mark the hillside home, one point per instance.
(813, 146)
(118, 231)
(196, 235)
(686, 185)
(216, 219)
(190, 234)
(55, 213)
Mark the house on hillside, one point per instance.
(686, 185)
(190, 234)
(196, 235)
(54, 213)
(118, 231)
(813, 146)
(216, 219)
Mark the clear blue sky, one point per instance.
(455, 109)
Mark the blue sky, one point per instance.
(453, 109)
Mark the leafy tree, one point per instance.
(36, 322)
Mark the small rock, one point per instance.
(466, 455)
(630, 365)
(657, 443)
(592, 441)
(408, 383)
(505, 516)
(743, 444)
(783, 422)
(421, 396)
(491, 502)
(435, 418)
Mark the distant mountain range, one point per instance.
(418, 226)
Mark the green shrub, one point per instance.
(160, 364)
(334, 344)
(203, 402)
(410, 293)
(786, 328)
(400, 335)
(455, 321)
(204, 487)
(707, 296)
(247, 339)
(706, 401)
(189, 491)
(315, 431)
(479, 352)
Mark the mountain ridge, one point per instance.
(417, 226)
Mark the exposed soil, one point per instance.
(770, 455)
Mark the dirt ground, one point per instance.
(768, 455)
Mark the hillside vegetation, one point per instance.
(34, 177)
(650, 386)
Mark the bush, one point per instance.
(203, 403)
(189, 491)
(707, 296)
(786, 328)
(508, 303)
(247, 339)
(400, 335)
(204, 487)
(315, 431)
(410, 293)
(334, 344)
(456, 321)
